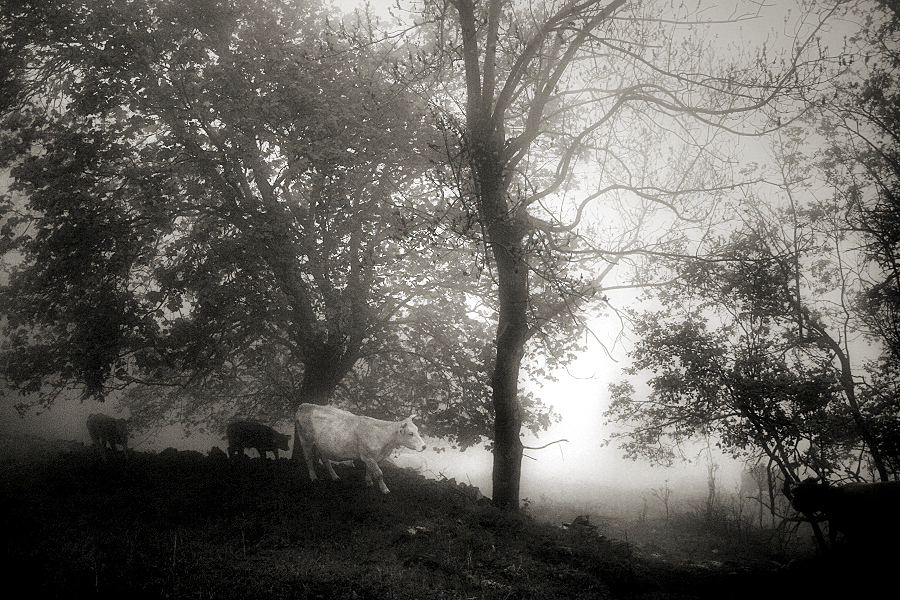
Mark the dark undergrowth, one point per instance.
(181, 525)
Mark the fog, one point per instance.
(580, 470)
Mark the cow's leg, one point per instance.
(308, 457)
(98, 442)
(334, 476)
(373, 471)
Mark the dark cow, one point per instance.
(582, 522)
(333, 434)
(108, 430)
(863, 512)
(250, 434)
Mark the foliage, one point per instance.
(861, 161)
(223, 207)
(743, 382)
(862, 156)
(756, 348)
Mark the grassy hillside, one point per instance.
(182, 525)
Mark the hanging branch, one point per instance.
(541, 447)
(544, 446)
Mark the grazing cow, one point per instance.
(864, 512)
(250, 434)
(216, 454)
(582, 522)
(107, 430)
(337, 435)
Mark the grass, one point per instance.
(180, 525)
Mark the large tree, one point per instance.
(763, 347)
(724, 359)
(226, 203)
(587, 132)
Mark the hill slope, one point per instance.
(182, 525)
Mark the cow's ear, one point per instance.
(411, 417)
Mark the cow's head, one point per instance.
(283, 441)
(409, 435)
(811, 495)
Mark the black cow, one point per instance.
(863, 512)
(250, 434)
(108, 430)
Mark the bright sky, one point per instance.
(379, 6)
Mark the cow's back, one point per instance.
(103, 429)
(869, 508)
(237, 433)
(331, 430)
(244, 431)
(881, 494)
(250, 434)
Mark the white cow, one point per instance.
(338, 435)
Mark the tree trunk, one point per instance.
(845, 376)
(323, 371)
(512, 333)
(505, 231)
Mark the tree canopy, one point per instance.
(224, 208)
(862, 157)
(728, 360)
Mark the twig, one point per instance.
(544, 446)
